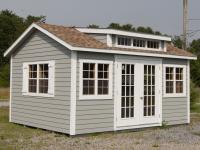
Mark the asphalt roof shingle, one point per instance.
(76, 38)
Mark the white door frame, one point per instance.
(117, 83)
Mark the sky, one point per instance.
(162, 15)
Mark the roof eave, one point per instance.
(133, 53)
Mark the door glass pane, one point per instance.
(149, 90)
(127, 94)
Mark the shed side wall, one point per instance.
(175, 108)
(50, 113)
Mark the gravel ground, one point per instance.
(182, 137)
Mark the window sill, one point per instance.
(38, 95)
(95, 97)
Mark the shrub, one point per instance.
(194, 93)
(5, 75)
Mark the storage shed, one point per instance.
(84, 80)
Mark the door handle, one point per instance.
(141, 97)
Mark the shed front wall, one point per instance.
(175, 109)
(98, 115)
(51, 113)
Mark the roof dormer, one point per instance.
(124, 39)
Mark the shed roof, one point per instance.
(76, 40)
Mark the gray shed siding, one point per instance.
(51, 113)
(175, 108)
(94, 115)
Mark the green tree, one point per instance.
(5, 76)
(177, 41)
(114, 26)
(11, 27)
(128, 27)
(93, 26)
(195, 65)
(30, 19)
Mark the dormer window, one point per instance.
(138, 43)
(153, 44)
(124, 41)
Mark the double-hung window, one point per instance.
(95, 79)
(38, 78)
(175, 80)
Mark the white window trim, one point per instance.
(174, 94)
(95, 96)
(25, 86)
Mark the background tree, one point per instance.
(130, 27)
(11, 27)
(195, 65)
(93, 26)
(177, 41)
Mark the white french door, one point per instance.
(138, 99)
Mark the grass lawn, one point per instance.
(13, 136)
(195, 108)
(4, 93)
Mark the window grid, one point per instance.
(169, 79)
(38, 78)
(153, 44)
(88, 78)
(179, 80)
(103, 80)
(32, 88)
(43, 78)
(137, 42)
(126, 41)
(149, 90)
(174, 80)
(95, 79)
(127, 94)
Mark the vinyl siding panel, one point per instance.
(175, 108)
(94, 115)
(51, 113)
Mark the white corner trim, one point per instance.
(161, 91)
(11, 71)
(124, 33)
(188, 90)
(73, 93)
(115, 86)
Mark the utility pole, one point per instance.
(185, 24)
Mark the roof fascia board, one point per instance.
(124, 33)
(27, 31)
(131, 53)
